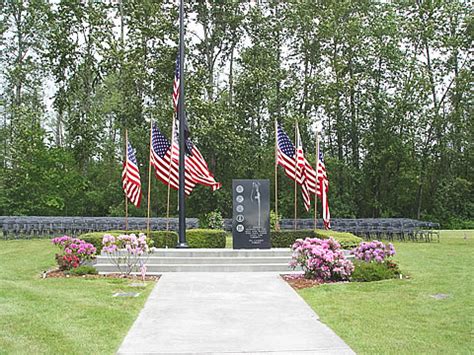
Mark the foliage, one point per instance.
(158, 239)
(125, 251)
(396, 115)
(83, 270)
(74, 252)
(373, 251)
(346, 239)
(422, 323)
(212, 220)
(321, 259)
(286, 238)
(28, 324)
(274, 220)
(367, 272)
(206, 238)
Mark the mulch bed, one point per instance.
(299, 282)
(61, 274)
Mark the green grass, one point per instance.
(59, 316)
(399, 316)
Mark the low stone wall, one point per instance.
(38, 226)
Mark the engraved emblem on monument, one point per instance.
(251, 214)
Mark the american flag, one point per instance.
(131, 177)
(295, 164)
(167, 169)
(323, 188)
(195, 164)
(176, 85)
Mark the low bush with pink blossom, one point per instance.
(126, 251)
(321, 259)
(74, 252)
(373, 251)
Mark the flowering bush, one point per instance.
(373, 251)
(74, 252)
(321, 259)
(125, 250)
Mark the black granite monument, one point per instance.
(251, 214)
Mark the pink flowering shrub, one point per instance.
(373, 251)
(321, 259)
(74, 252)
(125, 250)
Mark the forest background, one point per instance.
(388, 81)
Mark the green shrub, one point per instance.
(286, 238)
(346, 239)
(83, 270)
(161, 239)
(366, 272)
(206, 238)
(212, 220)
(274, 219)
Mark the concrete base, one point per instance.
(207, 260)
(228, 313)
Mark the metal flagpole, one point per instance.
(277, 222)
(296, 184)
(182, 213)
(122, 38)
(149, 185)
(126, 198)
(316, 186)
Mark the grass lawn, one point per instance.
(59, 316)
(399, 316)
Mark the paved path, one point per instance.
(228, 313)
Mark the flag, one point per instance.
(323, 188)
(131, 177)
(295, 164)
(166, 169)
(195, 164)
(301, 174)
(176, 83)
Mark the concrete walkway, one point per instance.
(228, 313)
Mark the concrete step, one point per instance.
(189, 253)
(160, 260)
(157, 269)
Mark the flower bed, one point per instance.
(321, 259)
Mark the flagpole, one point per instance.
(316, 185)
(296, 184)
(182, 205)
(149, 185)
(126, 198)
(277, 222)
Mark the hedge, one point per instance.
(286, 238)
(196, 238)
(346, 239)
(206, 238)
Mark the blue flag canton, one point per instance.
(284, 143)
(131, 154)
(159, 142)
(176, 73)
(321, 156)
